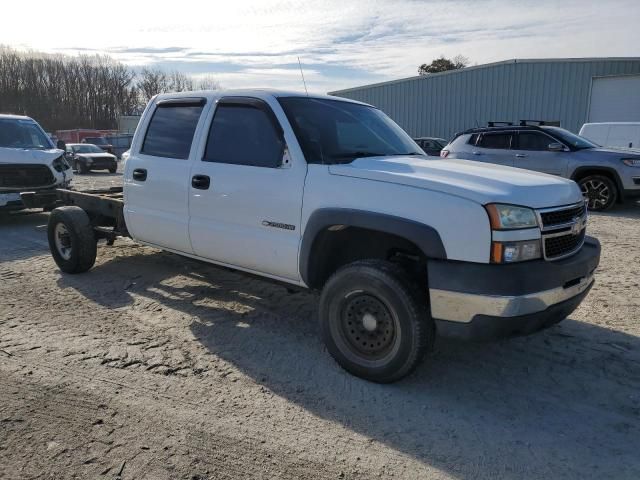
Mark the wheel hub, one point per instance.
(62, 241)
(596, 192)
(368, 326)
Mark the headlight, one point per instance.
(631, 162)
(509, 217)
(510, 252)
(60, 164)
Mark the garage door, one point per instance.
(615, 99)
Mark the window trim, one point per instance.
(245, 102)
(173, 103)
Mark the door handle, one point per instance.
(140, 174)
(201, 182)
(477, 153)
(520, 155)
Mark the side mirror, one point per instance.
(60, 144)
(556, 147)
(286, 156)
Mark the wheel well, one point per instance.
(611, 175)
(339, 245)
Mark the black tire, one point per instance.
(392, 341)
(82, 167)
(113, 169)
(72, 240)
(600, 191)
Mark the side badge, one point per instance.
(284, 226)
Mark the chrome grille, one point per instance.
(563, 230)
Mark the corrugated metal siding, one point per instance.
(442, 104)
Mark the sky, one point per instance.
(340, 43)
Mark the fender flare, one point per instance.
(425, 237)
(600, 169)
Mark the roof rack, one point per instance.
(539, 123)
(495, 124)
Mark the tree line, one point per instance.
(64, 92)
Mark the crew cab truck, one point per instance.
(331, 195)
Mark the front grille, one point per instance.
(20, 176)
(563, 244)
(559, 217)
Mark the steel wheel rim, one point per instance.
(596, 192)
(368, 327)
(62, 240)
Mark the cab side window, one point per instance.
(171, 129)
(533, 141)
(244, 134)
(495, 140)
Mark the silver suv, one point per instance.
(605, 175)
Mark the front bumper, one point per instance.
(482, 301)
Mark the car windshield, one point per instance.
(575, 141)
(87, 148)
(334, 131)
(24, 134)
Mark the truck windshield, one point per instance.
(334, 131)
(575, 141)
(23, 134)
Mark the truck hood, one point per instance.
(22, 156)
(480, 182)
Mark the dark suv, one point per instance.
(605, 175)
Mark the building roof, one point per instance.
(489, 65)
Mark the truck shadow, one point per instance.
(630, 209)
(567, 399)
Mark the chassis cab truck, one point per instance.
(331, 195)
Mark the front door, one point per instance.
(157, 175)
(532, 152)
(246, 192)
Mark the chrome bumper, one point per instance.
(463, 307)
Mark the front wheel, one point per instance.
(82, 167)
(72, 240)
(600, 192)
(374, 323)
(113, 169)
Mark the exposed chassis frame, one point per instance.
(105, 207)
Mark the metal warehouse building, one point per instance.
(572, 91)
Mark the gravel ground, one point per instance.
(152, 366)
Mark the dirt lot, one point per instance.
(152, 366)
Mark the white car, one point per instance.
(28, 161)
(613, 134)
(331, 195)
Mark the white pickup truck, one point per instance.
(331, 195)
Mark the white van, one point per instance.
(613, 134)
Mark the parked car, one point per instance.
(605, 175)
(613, 134)
(28, 161)
(330, 194)
(431, 145)
(101, 142)
(85, 157)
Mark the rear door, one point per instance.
(156, 175)
(246, 190)
(531, 151)
(493, 147)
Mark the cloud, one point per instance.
(341, 44)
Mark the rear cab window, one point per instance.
(172, 127)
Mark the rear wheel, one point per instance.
(72, 240)
(374, 323)
(600, 191)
